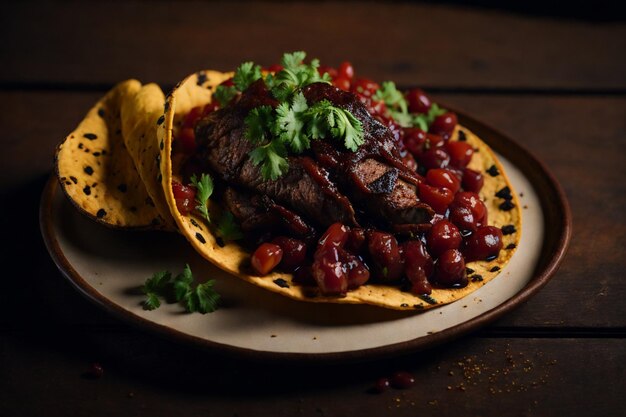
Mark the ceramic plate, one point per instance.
(109, 266)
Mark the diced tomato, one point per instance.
(184, 196)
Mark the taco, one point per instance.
(108, 166)
(323, 187)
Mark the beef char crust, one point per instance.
(324, 185)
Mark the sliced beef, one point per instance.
(305, 188)
(374, 177)
(324, 186)
(256, 213)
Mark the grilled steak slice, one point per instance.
(374, 177)
(305, 188)
(256, 213)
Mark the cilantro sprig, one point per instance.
(292, 126)
(398, 109)
(201, 298)
(245, 74)
(204, 189)
(227, 228)
(294, 75)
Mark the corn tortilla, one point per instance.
(196, 90)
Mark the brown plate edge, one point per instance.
(558, 224)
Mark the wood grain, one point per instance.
(147, 376)
(105, 42)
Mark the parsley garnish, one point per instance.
(246, 74)
(227, 228)
(224, 94)
(294, 75)
(398, 109)
(292, 125)
(393, 98)
(202, 298)
(204, 189)
(154, 286)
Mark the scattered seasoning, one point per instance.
(201, 78)
(161, 120)
(96, 154)
(509, 229)
(511, 246)
(507, 205)
(166, 107)
(505, 193)
(88, 170)
(281, 283)
(87, 190)
(476, 278)
(74, 180)
(122, 188)
(200, 238)
(493, 171)
(161, 145)
(101, 113)
(462, 136)
(427, 298)
(469, 271)
(81, 146)
(90, 136)
(404, 305)
(220, 242)
(101, 213)
(495, 269)
(195, 223)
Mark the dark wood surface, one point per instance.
(556, 86)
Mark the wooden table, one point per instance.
(557, 86)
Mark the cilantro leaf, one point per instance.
(259, 124)
(290, 122)
(224, 94)
(393, 98)
(349, 128)
(227, 228)
(271, 157)
(293, 60)
(435, 111)
(325, 118)
(205, 298)
(295, 75)
(152, 301)
(204, 189)
(154, 286)
(246, 74)
(157, 282)
(421, 121)
(201, 298)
